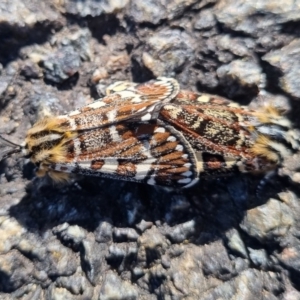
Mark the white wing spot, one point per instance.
(194, 181)
(110, 166)
(74, 112)
(143, 168)
(136, 99)
(151, 108)
(171, 139)
(127, 94)
(203, 98)
(77, 149)
(111, 115)
(72, 124)
(96, 104)
(146, 117)
(115, 136)
(185, 180)
(187, 173)
(159, 129)
(179, 148)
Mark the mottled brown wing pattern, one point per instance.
(219, 142)
(124, 102)
(157, 134)
(227, 137)
(150, 152)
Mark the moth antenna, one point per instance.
(6, 153)
(9, 143)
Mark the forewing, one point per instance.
(150, 152)
(137, 102)
(216, 133)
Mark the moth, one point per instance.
(160, 135)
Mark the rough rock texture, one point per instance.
(103, 239)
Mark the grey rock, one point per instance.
(93, 7)
(220, 266)
(241, 73)
(67, 233)
(119, 255)
(11, 192)
(290, 257)
(259, 257)
(128, 234)
(15, 271)
(117, 62)
(103, 233)
(62, 260)
(32, 246)
(181, 232)
(167, 51)
(291, 167)
(269, 221)
(236, 243)
(42, 102)
(243, 15)
(114, 288)
(7, 86)
(237, 46)
(93, 257)
(10, 233)
(249, 284)
(264, 98)
(291, 200)
(27, 13)
(77, 285)
(205, 20)
(144, 225)
(31, 70)
(187, 277)
(30, 291)
(286, 60)
(150, 245)
(117, 251)
(55, 291)
(78, 39)
(290, 292)
(61, 65)
(153, 11)
(3, 88)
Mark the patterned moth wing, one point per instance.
(227, 137)
(150, 152)
(125, 101)
(134, 102)
(45, 141)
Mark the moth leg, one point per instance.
(263, 182)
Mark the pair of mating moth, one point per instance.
(158, 134)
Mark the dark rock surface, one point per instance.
(103, 239)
